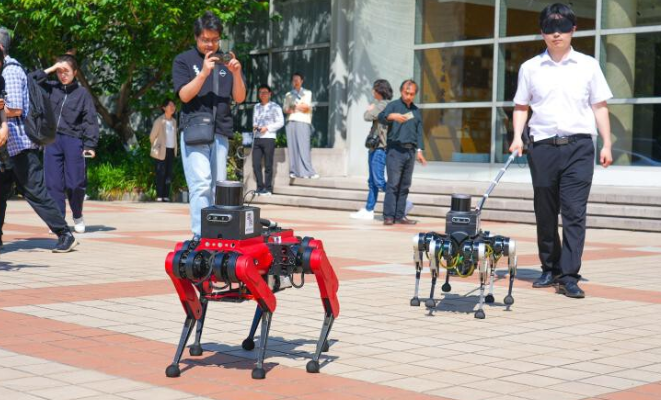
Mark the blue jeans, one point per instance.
(204, 165)
(377, 180)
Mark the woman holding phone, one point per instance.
(76, 139)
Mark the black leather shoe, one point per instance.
(545, 280)
(572, 290)
(406, 221)
(65, 243)
(388, 221)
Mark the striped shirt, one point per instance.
(269, 116)
(16, 86)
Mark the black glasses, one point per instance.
(553, 25)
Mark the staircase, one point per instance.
(626, 208)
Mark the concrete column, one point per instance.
(381, 48)
(340, 58)
(620, 72)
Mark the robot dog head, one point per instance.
(229, 218)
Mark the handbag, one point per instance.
(201, 126)
(372, 140)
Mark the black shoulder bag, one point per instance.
(201, 126)
(372, 140)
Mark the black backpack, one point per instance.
(40, 123)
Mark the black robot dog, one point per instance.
(464, 248)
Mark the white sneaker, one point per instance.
(293, 176)
(315, 176)
(408, 208)
(362, 214)
(159, 199)
(265, 193)
(79, 225)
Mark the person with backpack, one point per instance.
(24, 153)
(77, 130)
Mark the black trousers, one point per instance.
(263, 148)
(164, 173)
(6, 191)
(399, 167)
(29, 174)
(562, 178)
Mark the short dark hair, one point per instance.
(264, 86)
(69, 59)
(382, 87)
(557, 11)
(408, 82)
(208, 21)
(166, 101)
(300, 75)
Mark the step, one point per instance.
(608, 207)
(493, 203)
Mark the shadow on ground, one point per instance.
(8, 266)
(235, 357)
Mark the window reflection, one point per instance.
(455, 74)
(447, 21)
(636, 134)
(633, 64)
(460, 135)
(521, 17)
(631, 13)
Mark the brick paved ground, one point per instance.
(102, 322)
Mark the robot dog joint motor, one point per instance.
(243, 257)
(463, 249)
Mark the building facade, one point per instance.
(465, 55)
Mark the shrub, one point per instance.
(116, 171)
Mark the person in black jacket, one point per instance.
(77, 137)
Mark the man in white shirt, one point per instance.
(298, 105)
(267, 119)
(567, 92)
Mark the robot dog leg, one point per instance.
(317, 262)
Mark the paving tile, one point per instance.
(613, 382)
(417, 384)
(65, 393)
(461, 392)
(547, 394)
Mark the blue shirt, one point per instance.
(16, 86)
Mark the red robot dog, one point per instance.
(242, 257)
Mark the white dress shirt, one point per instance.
(561, 94)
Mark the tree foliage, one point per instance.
(125, 47)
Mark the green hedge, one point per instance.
(115, 171)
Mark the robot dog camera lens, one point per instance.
(229, 194)
(460, 202)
